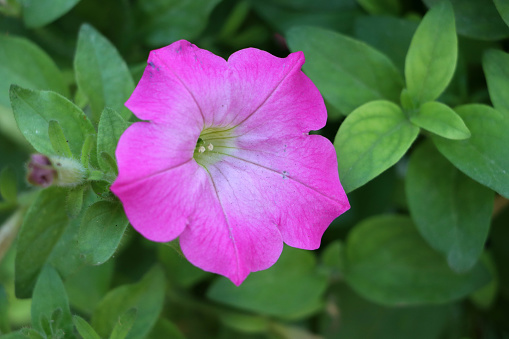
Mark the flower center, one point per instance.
(213, 144)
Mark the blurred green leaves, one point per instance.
(43, 225)
(360, 318)
(8, 189)
(147, 296)
(348, 72)
(25, 64)
(50, 307)
(389, 263)
(484, 156)
(37, 13)
(496, 68)
(101, 73)
(477, 19)
(375, 278)
(273, 291)
(84, 328)
(451, 211)
(167, 21)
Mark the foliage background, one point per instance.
(424, 250)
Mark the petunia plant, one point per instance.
(226, 162)
(258, 169)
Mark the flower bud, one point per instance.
(40, 171)
(45, 171)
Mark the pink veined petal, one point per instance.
(182, 84)
(157, 178)
(159, 206)
(228, 235)
(146, 149)
(273, 90)
(294, 182)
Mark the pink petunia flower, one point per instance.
(225, 161)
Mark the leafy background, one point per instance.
(418, 112)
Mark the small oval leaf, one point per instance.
(431, 58)
(441, 120)
(370, 140)
(101, 229)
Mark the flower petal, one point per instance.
(294, 182)
(265, 88)
(159, 206)
(228, 235)
(145, 149)
(182, 84)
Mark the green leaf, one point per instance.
(167, 21)
(34, 110)
(362, 319)
(87, 150)
(24, 333)
(477, 19)
(441, 120)
(503, 9)
(484, 297)
(165, 329)
(37, 13)
(49, 296)
(43, 225)
(65, 256)
(111, 127)
(389, 263)
(96, 280)
(306, 5)
(109, 161)
(23, 63)
(451, 211)
(381, 6)
(146, 296)
(245, 323)
(124, 324)
(95, 175)
(5, 325)
(84, 328)
(177, 268)
(370, 140)
(101, 73)
(338, 16)
(496, 68)
(101, 229)
(273, 291)
(57, 139)
(390, 35)
(347, 72)
(484, 156)
(333, 257)
(8, 187)
(499, 238)
(432, 55)
(74, 201)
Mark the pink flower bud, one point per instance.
(44, 171)
(40, 171)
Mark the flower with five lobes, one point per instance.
(225, 161)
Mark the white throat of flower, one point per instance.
(213, 144)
